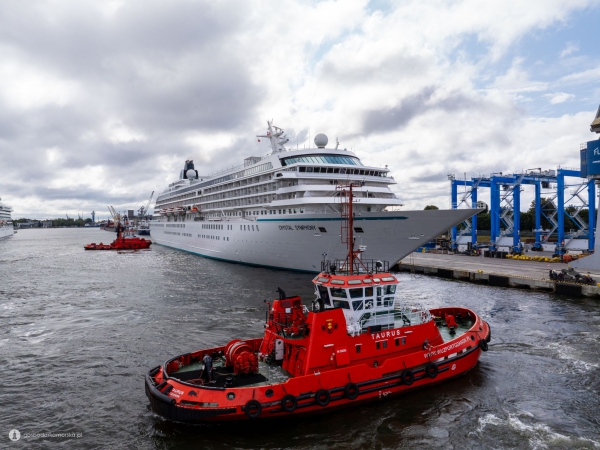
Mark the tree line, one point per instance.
(70, 222)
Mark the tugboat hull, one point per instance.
(318, 391)
(121, 244)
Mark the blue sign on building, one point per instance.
(590, 159)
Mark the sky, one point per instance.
(102, 102)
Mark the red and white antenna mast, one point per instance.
(353, 261)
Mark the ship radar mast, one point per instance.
(276, 136)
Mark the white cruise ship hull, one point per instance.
(6, 231)
(299, 243)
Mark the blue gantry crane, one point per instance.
(505, 208)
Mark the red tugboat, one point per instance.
(121, 243)
(359, 343)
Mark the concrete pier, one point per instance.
(497, 272)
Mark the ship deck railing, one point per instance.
(363, 266)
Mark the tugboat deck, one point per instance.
(268, 374)
(274, 374)
(463, 327)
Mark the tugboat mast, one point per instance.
(347, 229)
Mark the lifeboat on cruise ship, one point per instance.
(121, 243)
(359, 342)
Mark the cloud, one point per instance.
(559, 97)
(569, 49)
(101, 102)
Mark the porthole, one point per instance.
(230, 396)
(269, 392)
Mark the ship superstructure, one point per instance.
(282, 209)
(6, 225)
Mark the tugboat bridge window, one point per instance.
(357, 305)
(338, 292)
(356, 292)
(341, 304)
(324, 295)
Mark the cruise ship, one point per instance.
(283, 209)
(6, 225)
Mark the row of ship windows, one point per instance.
(216, 238)
(320, 159)
(358, 305)
(215, 226)
(275, 211)
(175, 225)
(244, 229)
(372, 173)
(383, 344)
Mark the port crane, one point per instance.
(143, 211)
(115, 215)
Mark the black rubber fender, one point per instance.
(253, 409)
(322, 397)
(289, 403)
(351, 391)
(431, 369)
(157, 394)
(489, 336)
(407, 377)
(483, 344)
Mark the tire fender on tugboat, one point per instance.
(431, 369)
(322, 397)
(351, 391)
(253, 409)
(483, 344)
(289, 403)
(408, 377)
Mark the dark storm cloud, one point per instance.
(160, 70)
(434, 177)
(387, 70)
(399, 116)
(410, 107)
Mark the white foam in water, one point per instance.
(488, 419)
(569, 354)
(539, 435)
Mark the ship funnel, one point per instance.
(188, 171)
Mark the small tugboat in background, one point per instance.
(143, 228)
(122, 242)
(359, 343)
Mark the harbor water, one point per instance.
(78, 330)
